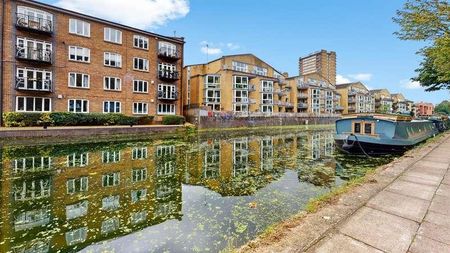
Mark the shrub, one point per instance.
(172, 120)
(14, 119)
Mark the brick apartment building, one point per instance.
(424, 109)
(356, 98)
(56, 60)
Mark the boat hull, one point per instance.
(371, 148)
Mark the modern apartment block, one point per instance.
(56, 60)
(315, 97)
(424, 109)
(240, 84)
(320, 65)
(383, 101)
(400, 104)
(356, 98)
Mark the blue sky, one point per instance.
(280, 31)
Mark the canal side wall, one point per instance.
(215, 122)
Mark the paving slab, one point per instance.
(429, 170)
(424, 176)
(342, 243)
(441, 159)
(417, 190)
(435, 232)
(438, 219)
(401, 205)
(446, 179)
(444, 190)
(441, 204)
(431, 164)
(420, 180)
(423, 244)
(381, 230)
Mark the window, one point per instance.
(240, 96)
(34, 18)
(162, 151)
(113, 35)
(138, 217)
(79, 54)
(240, 82)
(140, 86)
(79, 80)
(140, 42)
(368, 128)
(110, 156)
(77, 185)
(111, 107)
(266, 86)
(78, 105)
(167, 49)
(78, 160)
(140, 64)
(138, 195)
(113, 60)
(167, 70)
(32, 164)
(167, 91)
(260, 71)
(76, 210)
(112, 83)
(139, 175)
(34, 49)
(139, 153)
(357, 128)
(242, 108)
(76, 236)
(212, 81)
(79, 27)
(111, 203)
(165, 109)
(111, 179)
(212, 99)
(240, 66)
(33, 79)
(140, 108)
(110, 225)
(32, 189)
(33, 104)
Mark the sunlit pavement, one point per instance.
(412, 214)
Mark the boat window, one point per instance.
(357, 128)
(368, 128)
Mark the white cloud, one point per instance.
(143, 14)
(233, 46)
(340, 79)
(361, 76)
(210, 50)
(409, 84)
(217, 48)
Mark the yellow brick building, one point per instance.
(356, 98)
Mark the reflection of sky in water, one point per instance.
(172, 195)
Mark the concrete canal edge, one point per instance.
(304, 230)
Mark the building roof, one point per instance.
(84, 16)
(345, 85)
(234, 55)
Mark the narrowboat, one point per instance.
(381, 134)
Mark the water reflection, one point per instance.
(171, 195)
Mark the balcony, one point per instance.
(171, 96)
(34, 24)
(339, 108)
(352, 101)
(351, 109)
(302, 106)
(168, 53)
(288, 105)
(302, 96)
(38, 85)
(241, 100)
(267, 102)
(35, 55)
(302, 86)
(167, 75)
(267, 90)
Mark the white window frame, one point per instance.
(137, 62)
(34, 104)
(261, 71)
(168, 67)
(138, 175)
(140, 108)
(35, 14)
(167, 48)
(83, 52)
(240, 66)
(107, 83)
(111, 157)
(22, 74)
(114, 104)
(241, 96)
(140, 42)
(84, 106)
(83, 160)
(29, 48)
(111, 203)
(139, 153)
(140, 86)
(167, 91)
(138, 195)
(84, 77)
(240, 82)
(166, 109)
(77, 210)
(267, 86)
(109, 58)
(83, 183)
(112, 35)
(113, 179)
(76, 236)
(85, 27)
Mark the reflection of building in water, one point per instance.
(211, 162)
(73, 199)
(266, 144)
(240, 157)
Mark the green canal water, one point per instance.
(201, 193)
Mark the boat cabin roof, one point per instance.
(390, 117)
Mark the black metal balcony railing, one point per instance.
(28, 84)
(27, 53)
(302, 106)
(168, 53)
(168, 75)
(167, 95)
(34, 23)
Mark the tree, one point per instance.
(443, 107)
(428, 20)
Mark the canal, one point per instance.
(201, 193)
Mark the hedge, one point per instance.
(173, 120)
(15, 119)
